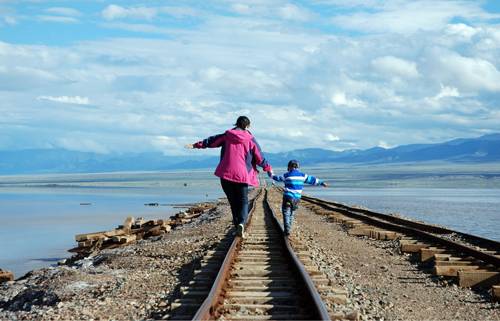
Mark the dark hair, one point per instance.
(242, 122)
(293, 164)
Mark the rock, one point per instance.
(31, 297)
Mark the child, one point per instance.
(294, 183)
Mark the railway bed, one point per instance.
(255, 279)
(473, 261)
(259, 277)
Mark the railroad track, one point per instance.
(473, 260)
(257, 278)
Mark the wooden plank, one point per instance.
(250, 294)
(89, 236)
(6, 276)
(124, 239)
(454, 263)
(166, 227)
(496, 293)
(98, 235)
(387, 235)
(427, 254)
(352, 223)
(360, 231)
(412, 247)
(452, 270)
(154, 231)
(86, 243)
(127, 225)
(478, 278)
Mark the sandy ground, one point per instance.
(139, 281)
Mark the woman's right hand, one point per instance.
(189, 146)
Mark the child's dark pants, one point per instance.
(237, 195)
(288, 207)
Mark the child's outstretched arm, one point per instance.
(314, 181)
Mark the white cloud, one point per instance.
(112, 12)
(241, 8)
(410, 16)
(461, 31)
(394, 66)
(179, 12)
(19, 78)
(59, 19)
(467, 73)
(332, 138)
(292, 12)
(63, 11)
(338, 90)
(383, 144)
(212, 74)
(340, 99)
(77, 100)
(137, 27)
(447, 92)
(10, 20)
(82, 144)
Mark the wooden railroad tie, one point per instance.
(356, 227)
(135, 229)
(6, 276)
(478, 278)
(496, 292)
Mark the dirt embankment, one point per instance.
(134, 282)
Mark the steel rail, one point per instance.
(210, 304)
(317, 305)
(381, 222)
(473, 239)
(216, 294)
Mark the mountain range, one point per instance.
(482, 149)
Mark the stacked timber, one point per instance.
(6, 276)
(133, 230)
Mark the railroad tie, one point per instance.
(261, 284)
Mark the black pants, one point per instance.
(237, 195)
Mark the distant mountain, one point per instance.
(471, 150)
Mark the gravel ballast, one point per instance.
(140, 281)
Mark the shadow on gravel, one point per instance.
(28, 298)
(185, 276)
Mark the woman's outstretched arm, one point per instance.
(210, 142)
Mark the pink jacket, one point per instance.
(240, 155)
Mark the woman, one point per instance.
(240, 155)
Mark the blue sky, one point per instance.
(130, 76)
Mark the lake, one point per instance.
(40, 215)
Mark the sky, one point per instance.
(129, 76)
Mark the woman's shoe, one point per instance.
(240, 230)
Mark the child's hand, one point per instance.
(189, 146)
(324, 184)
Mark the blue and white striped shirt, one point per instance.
(294, 182)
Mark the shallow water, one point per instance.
(38, 223)
(474, 211)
